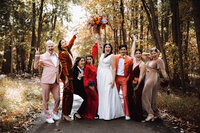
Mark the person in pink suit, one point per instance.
(50, 79)
(123, 69)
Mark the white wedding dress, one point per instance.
(110, 106)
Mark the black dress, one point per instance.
(135, 97)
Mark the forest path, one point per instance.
(99, 126)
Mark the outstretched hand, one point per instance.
(134, 38)
(76, 33)
(37, 51)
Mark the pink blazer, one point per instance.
(128, 63)
(50, 72)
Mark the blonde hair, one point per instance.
(49, 42)
(156, 50)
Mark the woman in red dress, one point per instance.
(90, 84)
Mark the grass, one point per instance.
(186, 108)
(19, 103)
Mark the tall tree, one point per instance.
(196, 15)
(122, 21)
(40, 23)
(33, 41)
(150, 11)
(176, 32)
(6, 27)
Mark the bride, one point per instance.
(109, 101)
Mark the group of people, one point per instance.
(137, 76)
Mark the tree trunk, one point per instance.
(186, 63)
(7, 56)
(141, 26)
(162, 21)
(176, 32)
(105, 35)
(154, 30)
(136, 20)
(33, 38)
(18, 58)
(120, 36)
(196, 15)
(151, 28)
(12, 40)
(40, 24)
(122, 23)
(187, 37)
(167, 26)
(22, 53)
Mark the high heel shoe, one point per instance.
(150, 117)
(67, 118)
(96, 117)
(77, 118)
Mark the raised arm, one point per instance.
(98, 41)
(71, 42)
(94, 51)
(133, 46)
(100, 48)
(97, 47)
(113, 66)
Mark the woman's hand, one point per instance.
(37, 51)
(93, 89)
(134, 38)
(80, 75)
(66, 81)
(112, 84)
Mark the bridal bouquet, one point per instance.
(95, 23)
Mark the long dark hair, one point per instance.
(111, 51)
(140, 50)
(77, 61)
(61, 49)
(89, 55)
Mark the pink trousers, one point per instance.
(55, 90)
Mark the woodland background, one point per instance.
(173, 26)
(170, 25)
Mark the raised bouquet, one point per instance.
(95, 23)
